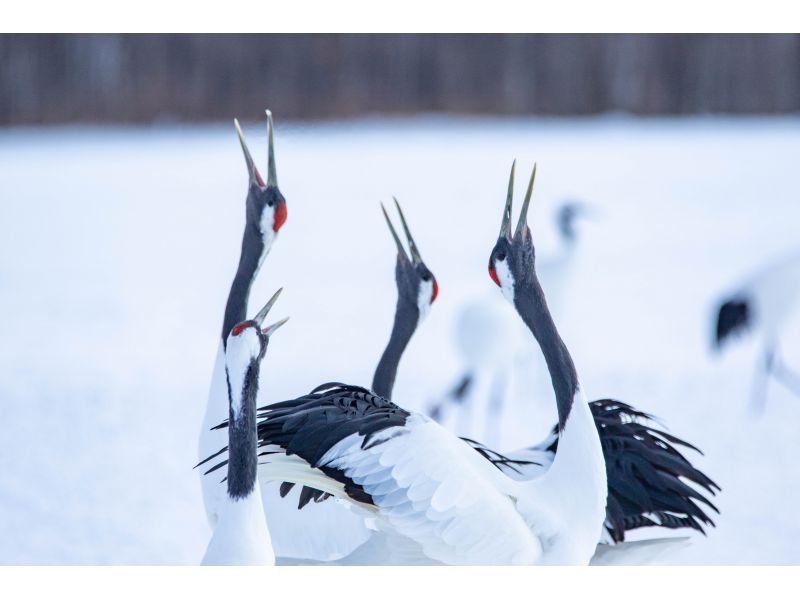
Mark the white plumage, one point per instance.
(211, 484)
(241, 536)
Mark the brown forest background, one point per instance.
(141, 78)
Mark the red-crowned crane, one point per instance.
(265, 214)
(241, 536)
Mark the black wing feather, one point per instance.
(647, 475)
(310, 425)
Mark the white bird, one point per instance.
(241, 536)
(439, 497)
(763, 304)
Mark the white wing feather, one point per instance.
(452, 505)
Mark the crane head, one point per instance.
(416, 284)
(248, 339)
(266, 206)
(512, 261)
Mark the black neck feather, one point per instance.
(242, 438)
(531, 305)
(236, 307)
(406, 317)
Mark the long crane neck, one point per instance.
(242, 436)
(253, 252)
(532, 307)
(406, 317)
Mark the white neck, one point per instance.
(571, 496)
(241, 537)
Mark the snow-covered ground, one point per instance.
(117, 246)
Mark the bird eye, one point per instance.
(426, 277)
(501, 255)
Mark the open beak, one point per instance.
(252, 171)
(522, 223)
(416, 258)
(260, 316)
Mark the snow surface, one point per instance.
(117, 247)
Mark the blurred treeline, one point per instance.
(141, 78)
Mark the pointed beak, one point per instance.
(400, 249)
(252, 171)
(505, 225)
(259, 317)
(272, 173)
(272, 328)
(412, 246)
(522, 223)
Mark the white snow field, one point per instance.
(117, 246)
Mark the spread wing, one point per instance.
(422, 482)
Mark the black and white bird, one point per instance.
(241, 536)
(265, 214)
(763, 304)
